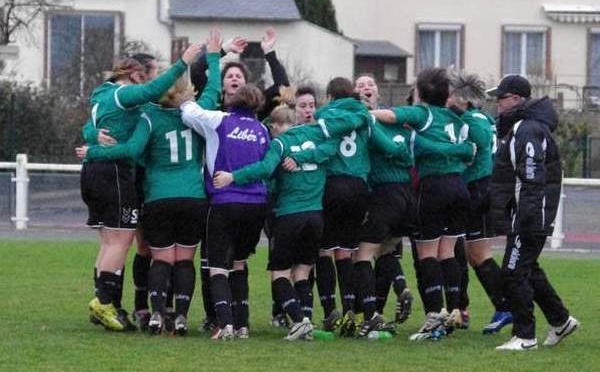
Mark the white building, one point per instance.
(555, 43)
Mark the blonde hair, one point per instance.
(125, 67)
(285, 112)
(182, 87)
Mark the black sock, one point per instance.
(346, 283)
(238, 281)
(451, 274)
(108, 284)
(461, 258)
(184, 282)
(287, 297)
(489, 274)
(304, 291)
(95, 281)
(275, 307)
(366, 287)
(382, 282)
(220, 293)
(118, 296)
(209, 309)
(141, 265)
(432, 278)
(159, 277)
(169, 300)
(325, 270)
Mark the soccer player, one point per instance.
(467, 95)
(107, 186)
(443, 197)
(236, 215)
(525, 192)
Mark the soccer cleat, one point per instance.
(94, 320)
(519, 344)
(141, 318)
(156, 323)
(453, 321)
(207, 325)
(123, 317)
(180, 325)
(464, 316)
(333, 321)
(242, 332)
(348, 324)
(499, 320)
(404, 306)
(225, 333)
(300, 331)
(433, 328)
(106, 314)
(280, 321)
(374, 324)
(557, 334)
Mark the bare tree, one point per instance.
(18, 15)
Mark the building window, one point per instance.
(253, 57)
(390, 71)
(524, 51)
(80, 46)
(178, 46)
(439, 45)
(592, 92)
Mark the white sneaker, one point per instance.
(433, 328)
(557, 334)
(242, 332)
(225, 333)
(301, 330)
(519, 344)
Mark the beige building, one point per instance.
(556, 44)
(85, 38)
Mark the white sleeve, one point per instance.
(200, 119)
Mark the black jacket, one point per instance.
(526, 182)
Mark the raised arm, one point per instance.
(211, 94)
(129, 96)
(278, 73)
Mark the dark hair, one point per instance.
(433, 86)
(144, 59)
(248, 97)
(410, 97)
(241, 66)
(305, 89)
(340, 87)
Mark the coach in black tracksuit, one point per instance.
(525, 191)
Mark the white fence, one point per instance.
(21, 180)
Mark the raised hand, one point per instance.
(268, 41)
(191, 52)
(214, 41)
(235, 45)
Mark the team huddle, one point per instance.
(177, 160)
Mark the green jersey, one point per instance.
(439, 125)
(302, 189)
(390, 165)
(482, 130)
(117, 107)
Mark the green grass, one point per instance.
(45, 287)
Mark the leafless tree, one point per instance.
(18, 15)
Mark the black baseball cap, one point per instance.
(512, 84)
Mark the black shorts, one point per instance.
(478, 225)
(344, 208)
(442, 207)
(173, 221)
(108, 190)
(296, 240)
(232, 232)
(391, 212)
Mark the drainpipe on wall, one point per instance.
(164, 20)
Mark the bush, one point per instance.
(42, 123)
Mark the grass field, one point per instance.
(45, 287)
